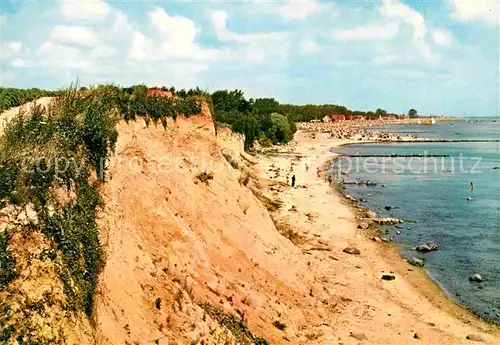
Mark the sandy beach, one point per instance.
(375, 311)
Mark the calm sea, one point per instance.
(432, 195)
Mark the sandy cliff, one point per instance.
(207, 245)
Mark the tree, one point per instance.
(280, 131)
(266, 106)
(380, 112)
(412, 113)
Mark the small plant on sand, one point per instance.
(205, 177)
(279, 325)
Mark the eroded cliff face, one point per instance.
(188, 243)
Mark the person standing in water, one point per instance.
(471, 187)
(293, 181)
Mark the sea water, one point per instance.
(434, 196)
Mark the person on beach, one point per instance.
(293, 181)
(307, 167)
(318, 171)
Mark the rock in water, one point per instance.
(416, 262)
(428, 247)
(476, 278)
(352, 250)
(388, 277)
(474, 337)
(388, 208)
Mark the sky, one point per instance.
(440, 57)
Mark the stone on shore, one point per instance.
(363, 225)
(358, 336)
(475, 337)
(388, 277)
(371, 214)
(388, 221)
(428, 247)
(415, 262)
(352, 250)
(476, 278)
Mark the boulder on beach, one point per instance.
(388, 277)
(476, 277)
(427, 247)
(363, 225)
(388, 221)
(475, 337)
(371, 214)
(414, 261)
(352, 250)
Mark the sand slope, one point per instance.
(172, 237)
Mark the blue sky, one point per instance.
(440, 56)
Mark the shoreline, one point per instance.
(414, 290)
(359, 210)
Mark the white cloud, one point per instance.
(219, 19)
(254, 47)
(394, 10)
(298, 10)
(59, 56)
(88, 10)
(19, 63)
(367, 32)
(308, 46)
(476, 10)
(178, 37)
(441, 37)
(78, 35)
(15, 46)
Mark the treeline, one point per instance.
(11, 97)
(260, 120)
(264, 120)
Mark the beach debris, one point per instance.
(376, 239)
(371, 214)
(351, 198)
(417, 336)
(388, 208)
(414, 261)
(363, 225)
(475, 337)
(352, 250)
(388, 277)
(469, 199)
(398, 232)
(358, 336)
(427, 247)
(388, 221)
(476, 277)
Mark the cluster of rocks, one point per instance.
(12, 216)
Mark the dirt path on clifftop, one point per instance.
(366, 309)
